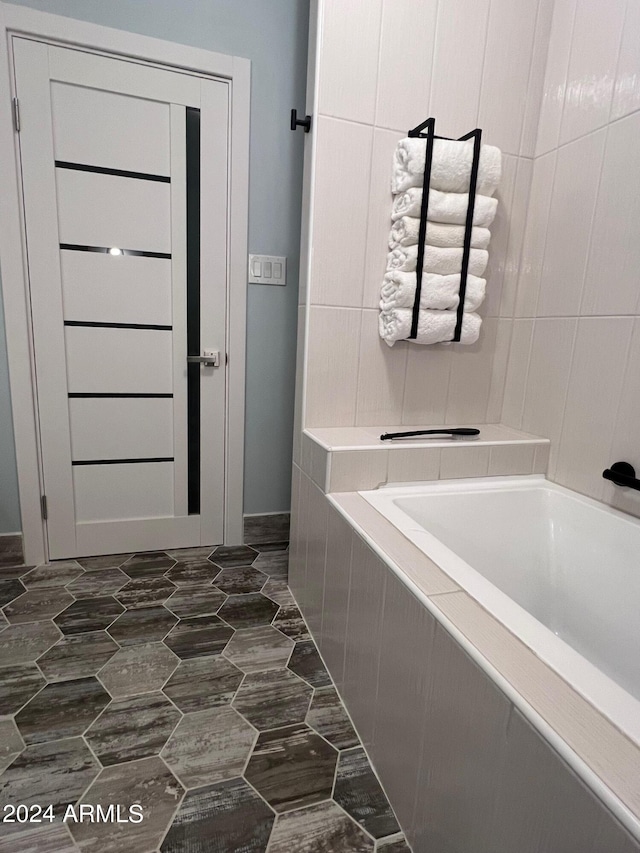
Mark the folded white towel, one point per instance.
(434, 327)
(404, 232)
(450, 166)
(441, 261)
(436, 291)
(445, 207)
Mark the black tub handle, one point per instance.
(622, 474)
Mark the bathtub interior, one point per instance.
(566, 560)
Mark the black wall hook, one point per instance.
(300, 122)
(622, 474)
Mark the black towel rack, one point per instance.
(430, 135)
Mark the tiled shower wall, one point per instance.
(382, 67)
(574, 364)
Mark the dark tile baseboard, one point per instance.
(11, 553)
(261, 529)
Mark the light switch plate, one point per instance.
(267, 269)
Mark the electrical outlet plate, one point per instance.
(267, 269)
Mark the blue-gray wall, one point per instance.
(273, 35)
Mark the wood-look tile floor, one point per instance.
(185, 682)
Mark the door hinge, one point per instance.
(16, 115)
(43, 506)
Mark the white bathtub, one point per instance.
(560, 570)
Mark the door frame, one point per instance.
(69, 32)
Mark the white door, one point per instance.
(126, 230)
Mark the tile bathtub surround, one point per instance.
(453, 717)
(345, 459)
(181, 713)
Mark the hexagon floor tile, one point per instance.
(213, 710)
(273, 563)
(151, 564)
(38, 604)
(145, 625)
(188, 601)
(257, 649)
(77, 656)
(289, 620)
(292, 767)
(131, 728)
(360, 794)
(228, 557)
(105, 561)
(145, 592)
(56, 772)
(191, 572)
(205, 682)
(307, 663)
(328, 717)
(202, 635)
(138, 669)
(90, 614)
(22, 643)
(247, 611)
(18, 684)
(63, 709)
(209, 746)
(11, 744)
(60, 573)
(147, 782)
(273, 699)
(10, 589)
(220, 819)
(320, 827)
(98, 582)
(239, 581)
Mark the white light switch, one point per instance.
(267, 269)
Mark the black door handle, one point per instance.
(300, 122)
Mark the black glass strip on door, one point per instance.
(193, 307)
(84, 395)
(121, 461)
(114, 250)
(120, 173)
(97, 325)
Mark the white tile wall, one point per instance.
(381, 375)
(350, 39)
(595, 46)
(580, 258)
(333, 350)
(385, 66)
(626, 95)
(406, 57)
(509, 45)
(340, 211)
(555, 80)
(573, 202)
(611, 285)
(458, 61)
(595, 386)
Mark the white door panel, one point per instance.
(112, 331)
(133, 78)
(99, 287)
(119, 492)
(121, 427)
(118, 361)
(112, 211)
(108, 129)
